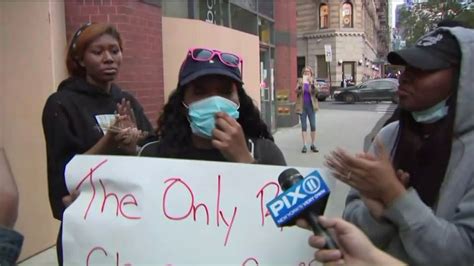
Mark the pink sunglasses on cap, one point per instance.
(205, 55)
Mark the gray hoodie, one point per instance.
(412, 231)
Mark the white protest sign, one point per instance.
(150, 211)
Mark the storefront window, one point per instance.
(214, 11)
(347, 15)
(265, 7)
(225, 13)
(243, 20)
(323, 16)
(266, 31)
(176, 8)
(247, 4)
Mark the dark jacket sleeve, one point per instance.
(267, 152)
(314, 90)
(61, 145)
(10, 246)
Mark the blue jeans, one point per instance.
(308, 112)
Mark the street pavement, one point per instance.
(381, 107)
(334, 128)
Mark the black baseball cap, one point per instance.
(192, 69)
(434, 51)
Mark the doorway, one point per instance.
(348, 71)
(267, 91)
(300, 64)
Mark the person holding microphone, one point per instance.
(354, 246)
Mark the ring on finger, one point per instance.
(349, 175)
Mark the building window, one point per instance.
(265, 7)
(322, 67)
(247, 4)
(300, 64)
(243, 20)
(212, 11)
(323, 16)
(266, 30)
(347, 15)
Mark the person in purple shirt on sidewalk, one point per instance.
(306, 106)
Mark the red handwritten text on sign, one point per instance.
(120, 202)
(193, 207)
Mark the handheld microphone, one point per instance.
(301, 197)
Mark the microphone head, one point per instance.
(289, 177)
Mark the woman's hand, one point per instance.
(125, 133)
(299, 87)
(299, 90)
(127, 139)
(124, 108)
(354, 246)
(376, 207)
(122, 136)
(118, 139)
(228, 137)
(374, 177)
(69, 199)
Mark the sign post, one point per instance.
(328, 53)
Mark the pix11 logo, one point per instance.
(290, 203)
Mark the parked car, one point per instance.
(371, 90)
(465, 3)
(323, 89)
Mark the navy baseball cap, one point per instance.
(434, 51)
(192, 69)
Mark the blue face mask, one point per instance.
(202, 114)
(432, 114)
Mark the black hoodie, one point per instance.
(70, 128)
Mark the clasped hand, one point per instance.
(124, 131)
(372, 175)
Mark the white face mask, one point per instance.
(432, 114)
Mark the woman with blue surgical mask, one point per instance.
(210, 117)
